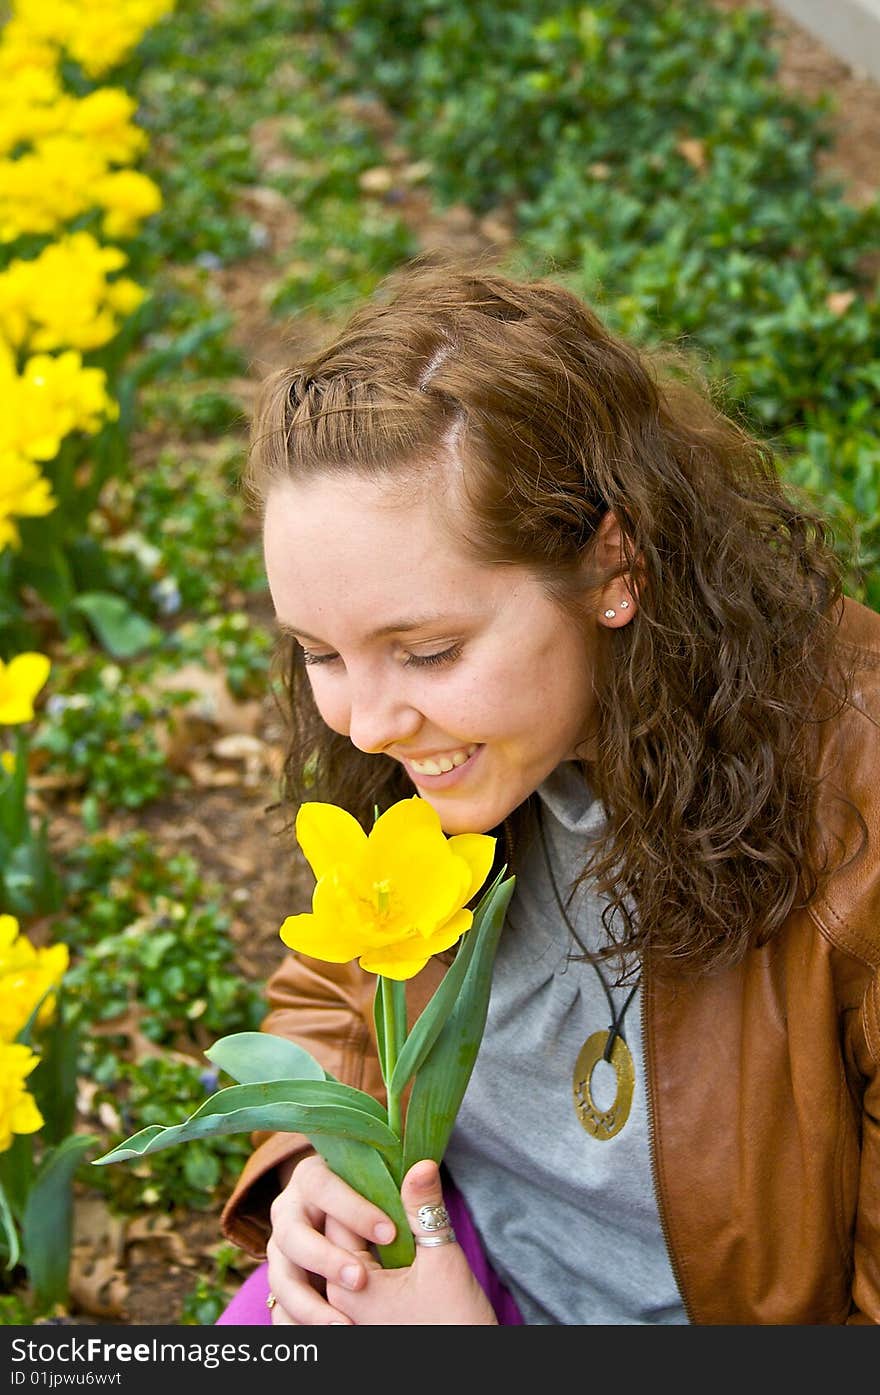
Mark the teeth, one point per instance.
(441, 764)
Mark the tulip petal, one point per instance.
(25, 1116)
(320, 939)
(408, 957)
(400, 970)
(411, 852)
(403, 817)
(478, 851)
(329, 836)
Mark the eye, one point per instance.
(446, 656)
(310, 658)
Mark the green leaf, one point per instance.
(430, 1021)
(31, 884)
(13, 806)
(54, 1080)
(366, 1171)
(250, 1057)
(10, 1231)
(17, 1171)
(396, 989)
(311, 1107)
(48, 1219)
(121, 630)
(48, 572)
(442, 1078)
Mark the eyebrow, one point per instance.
(395, 627)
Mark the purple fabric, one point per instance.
(248, 1307)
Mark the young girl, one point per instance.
(551, 590)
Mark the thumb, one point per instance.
(422, 1195)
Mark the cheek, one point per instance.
(332, 703)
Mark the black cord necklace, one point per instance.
(609, 1045)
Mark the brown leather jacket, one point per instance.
(764, 1078)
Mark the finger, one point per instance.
(326, 1194)
(308, 1249)
(298, 1287)
(344, 1238)
(422, 1197)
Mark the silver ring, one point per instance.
(443, 1237)
(434, 1217)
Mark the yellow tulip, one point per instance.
(391, 898)
(27, 975)
(18, 1111)
(20, 681)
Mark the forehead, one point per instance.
(366, 547)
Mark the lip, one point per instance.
(449, 777)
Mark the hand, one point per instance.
(438, 1288)
(321, 1228)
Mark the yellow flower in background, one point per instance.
(21, 49)
(391, 898)
(27, 976)
(63, 298)
(58, 146)
(20, 681)
(45, 188)
(23, 492)
(105, 119)
(18, 1111)
(127, 197)
(52, 397)
(64, 176)
(98, 34)
(32, 102)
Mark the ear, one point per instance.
(617, 602)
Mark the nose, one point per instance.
(380, 716)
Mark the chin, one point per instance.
(469, 820)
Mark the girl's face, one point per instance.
(467, 674)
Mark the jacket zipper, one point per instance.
(652, 1150)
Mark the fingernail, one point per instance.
(349, 1275)
(337, 1323)
(384, 1232)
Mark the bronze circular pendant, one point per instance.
(603, 1123)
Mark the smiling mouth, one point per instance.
(441, 765)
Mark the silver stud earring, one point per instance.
(624, 605)
(610, 614)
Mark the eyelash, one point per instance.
(446, 656)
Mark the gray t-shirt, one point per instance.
(569, 1222)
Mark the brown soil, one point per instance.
(144, 1269)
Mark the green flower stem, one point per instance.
(394, 1014)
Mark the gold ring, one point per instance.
(271, 1301)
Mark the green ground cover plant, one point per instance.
(652, 161)
(645, 154)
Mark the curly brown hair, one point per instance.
(709, 700)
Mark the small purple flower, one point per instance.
(208, 1080)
